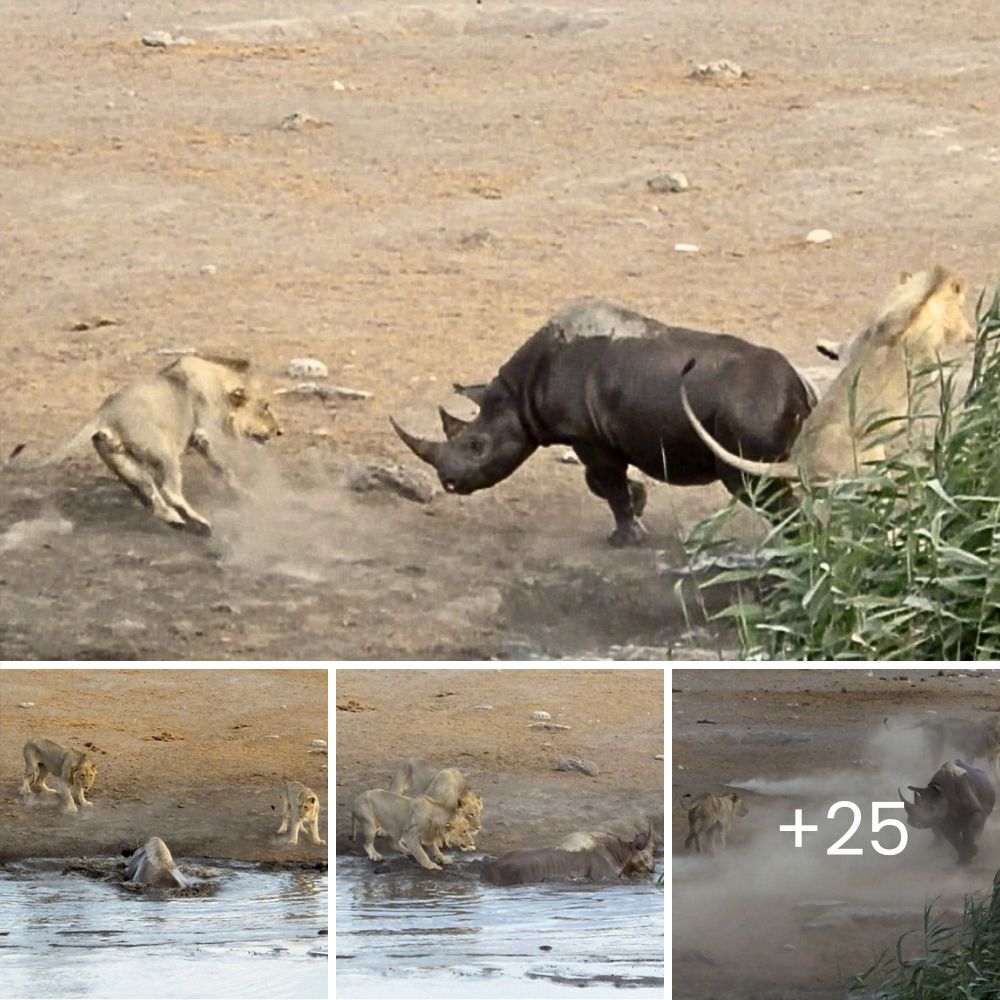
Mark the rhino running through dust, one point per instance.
(606, 382)
(955, 803)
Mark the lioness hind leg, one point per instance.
(136, 476)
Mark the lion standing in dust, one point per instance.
(923, 315)
(709, 818)
(142, 430)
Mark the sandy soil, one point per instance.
(181, 754)
(474, 168)
(615, 719)
(739, 919)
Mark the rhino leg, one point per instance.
(607, 479)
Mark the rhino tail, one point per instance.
(773, 470)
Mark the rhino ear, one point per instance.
(474, 392)
(452, 425)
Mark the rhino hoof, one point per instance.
(626, 535)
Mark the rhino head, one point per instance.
(476, 454)
(928, 808)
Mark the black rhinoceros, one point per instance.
(606, 381)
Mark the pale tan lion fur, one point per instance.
(709, 818)
(300, 805)
(922, 316)
(409, 823)
(74, 770)
(142, 430)
(445, 785)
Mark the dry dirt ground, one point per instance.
(181, 754)
(473, 167)
(809, 738)
(615, 718)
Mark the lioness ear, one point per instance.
(238, 396)
(236, 364)
(958, 286)
(904, 276)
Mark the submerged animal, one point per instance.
(153, 866)
(74, 771)
(597, 856)
(923, 315)
(606, 381)
(142, 430)
(710, 817)
(955, 804)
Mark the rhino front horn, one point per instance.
(452, 425)
(426, 451)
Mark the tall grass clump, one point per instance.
(902, 561)
(956, 960)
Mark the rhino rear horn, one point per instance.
(452, 425)
(473, 392)
(426, 451)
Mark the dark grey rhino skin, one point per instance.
(955, 804)
(609, 858)
(606, 381)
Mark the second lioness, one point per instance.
(300, 805)
(74, 770)
(709, 819)
(448, 786)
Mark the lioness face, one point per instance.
(250, 416)
(739, 808)
(458, 834)
(942, 318)
(85, 775)
(308, 807)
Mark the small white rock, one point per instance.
(337, 85)
(659, 756)
(25, 704)
(819, 236)
(484, 708)
(686, 247)
(272, 736)
(208, 269)
(317, 743)
(540, 716)
(307, 368)
(669, 183)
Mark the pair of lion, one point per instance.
(75, 772)
(439, 811)
(142, 430)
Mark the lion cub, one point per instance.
(709, 819)
(74, 770)
(302, 806)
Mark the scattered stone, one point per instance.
(25, 704)
(208, 269)
(299, 120)
(307, 368)
(94, 323)
(484, 708)
(271, 736)
(819, 236)
(477, 239)
(224, 607)
(686, 247)
(575, 764)
(540, 716)
(171, 351)
(659, 756)
(164, 40)
(325, 392)
(338, 85)
(568, 457)
(353, 705)
(671, 183)
(323, 751)
(317, 743)
(392, 478)
(720, 69)
(547, 725)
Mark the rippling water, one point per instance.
(417, 935)
(71, 936)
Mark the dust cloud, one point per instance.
(768, 912)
